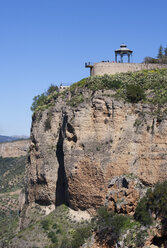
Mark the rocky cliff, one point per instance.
(76, 149)
(14, 148)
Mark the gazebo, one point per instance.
(123, 50)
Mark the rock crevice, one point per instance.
(61, 184)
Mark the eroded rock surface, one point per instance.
(76, 151)
(124, 193)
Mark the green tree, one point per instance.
(142, 214)
(38, 100)
(165, 51)
(52, 88)
(151, 60)
(42, 99)
(160, 52)
(155, 202)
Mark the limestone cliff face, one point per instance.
(14, 148)
(76, 151)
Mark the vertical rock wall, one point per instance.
(76, 151)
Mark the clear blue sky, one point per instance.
(45, 42)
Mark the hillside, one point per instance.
(102, 142)
(15, 148)
(11, 183)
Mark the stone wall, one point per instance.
(112, 68)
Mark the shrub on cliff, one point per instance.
(103, 82)
(52, 88)
(134, 93)
(142, 214)
(110, 225)
(80, 235)
(44, 98)
(155, 202)
(38, 100)
(76, 100)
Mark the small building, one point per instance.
(63, 88)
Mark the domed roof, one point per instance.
(123, 45)
(123, 49)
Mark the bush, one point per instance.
(111, 225)
(134, 93)
(53, 237)
(46, 223)
(103, 82)
(66, 243)
(155, 202)
(142, 214)
(79, 84)
(140, 238)
(55, 226)
(80, 235)
(110, 83)
(76, 100)
(104, 216)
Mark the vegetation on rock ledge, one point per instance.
(59, 229)
(154, 203)
(147, 86)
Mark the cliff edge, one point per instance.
(89, 134)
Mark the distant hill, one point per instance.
(11, 138)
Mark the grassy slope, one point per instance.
(57, 229)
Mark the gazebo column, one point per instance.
(128, 58)
(116, 57)
(121, 58)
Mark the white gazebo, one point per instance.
(122, 51)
